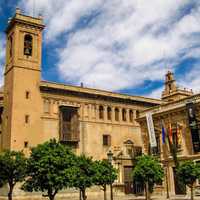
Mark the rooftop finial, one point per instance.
(17, 11)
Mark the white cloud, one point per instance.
(127, 43)
(156, 93)
(192, 80)
(60, 15)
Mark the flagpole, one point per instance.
(165, 164)
(166, 177)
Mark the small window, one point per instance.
(26, 119)
(101, 112)
(131, 115)
(109, 113)
(28, 40)
(27, 94)
(170, 87)
(26, 144)
(106, 140)
(124, 114)
(116, 114)
(137, 151)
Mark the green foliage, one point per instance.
(105, 173)
(84, 172)
(50, 168)
(188, 172)
(12, 166)
(148, 170)
(12, 169)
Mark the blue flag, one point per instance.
(163, 134)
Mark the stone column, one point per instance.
(127, 115)
(105, 116)
(120, 114)
(89, 107)
(112, 114)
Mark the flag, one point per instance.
(179, 134)
(163, 133)
(151, 131)
(170, 133)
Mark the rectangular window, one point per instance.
(106, 140)
(27, 94)
(26, 119)
(26, 144)
(137, 151)
(69, 125)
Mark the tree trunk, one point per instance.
(192, 192)
(84, 194)
(104, 192)
(11, 186)
(52, 194)
(51, 197)
(147, 191)
(80, 195)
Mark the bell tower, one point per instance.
(172, 92)
(22, 99)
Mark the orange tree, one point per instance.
(49, 169)
(148, 171)
(188, 173)
(12, 169)
(105, 174)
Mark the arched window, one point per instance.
(124, 114)
(109, 113)
(28, 45)
(101, 112)
(131, 115)
(116, 114)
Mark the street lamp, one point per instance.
(110, 158)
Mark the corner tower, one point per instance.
(172, 92)
(22, 100)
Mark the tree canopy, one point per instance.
(188, 173)
(105, 174)
(84, 173)
(148, 171)
(12, 169)
(49, 168)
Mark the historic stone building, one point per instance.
(91, 121)
(176, 121)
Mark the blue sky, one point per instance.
(117, 45)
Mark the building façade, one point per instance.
(91, 121)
